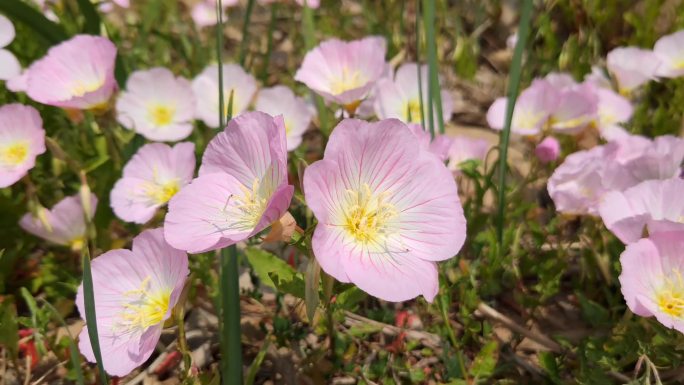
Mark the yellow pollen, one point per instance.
(76, 244)
(14, 154)
(161, 115)
(250, 206)
(80, 88)
(162, 193)
(368, 214)
(670, 296)
(226, 103)
(414, 114)
(678, 64)
(347, 81)
(527, 119)
(144, 308)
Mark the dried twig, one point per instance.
(493, 315)
(428, 339)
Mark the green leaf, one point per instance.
(9, 332)
(311, 284)
(290, 284)
(548, 362)
(485, 362)
(349, 298)
(263, 263)
(20, 11)
(245, 32)
(92, 18)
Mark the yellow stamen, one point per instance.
(367, 216)
(162, 193)
(14, 154)
(76, 244)
(161, 115)
(670, 296)
(412, 107)
(144, 308)
(80, 88)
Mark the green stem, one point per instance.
(434, 96)
(245, 33)
(420, 73)
(269, 43)
(514, 85)
(308, 28)
(91, 316)
(231, 360)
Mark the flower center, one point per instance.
(348, 80)
(414, 114)
(226, 102)
(80, 88)
(528, 119)
(244, 212)
(670, 296)
(14, 154)
(144, 308)
(76, 244)
(368, 215)
(161, 115)
(162, 193)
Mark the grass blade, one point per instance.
(92, 18)
(73, 349)
(420, 73)
(91, 316)
(269, 43)
(308, 30)
(513, 88)
(245, 32)
(258, 360)
(231, 360)
(18, 10)
(433, 88)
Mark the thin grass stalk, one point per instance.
(434, 96)
(90, 314)
(420, 73)
(269, 43)
(513, 88)
(73, 348)
(245, 32)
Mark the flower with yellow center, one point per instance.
(80, 87)
(162, 192)
(243, 211)
(144, 307)
(414, 113)
(670, 296)
(347, 80)
(14, 154)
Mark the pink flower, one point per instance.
(654, 204)
(135, 292)
(64, 224)
(439, 146)
(296, 112)
(547, 150)
(613, 110)
(598, 78)
(235, 80)
(204, 12)
(400, 97)
(387, 210)
(344, 72)
(660, 158)
(463, 148)
(651, 278)
(632, 67)
(79, 72)
(157, 105)
(670, 50)
(22, 139)
(576, 108)
(561, 80)
(9, 65)
(241, 190)
(154, 175)
(532, 109)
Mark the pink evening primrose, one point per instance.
(651, 278)
(670, 50)
(64, 224)
(242, 85)
(613, 110)
(80, 72)
(575, 110)
(9, 65)
(533, 108)
(157, 105)
(22, 139)
(148, 281)
(242, 187)
(439, 146)
(387, 210)
(632, 67)
(151, 178)
(297, 113)
(203, 13)
(400, 97)
(344, 72)
(547, 150)
(653, 204)
(463, 148)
